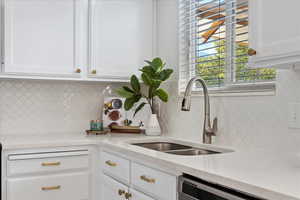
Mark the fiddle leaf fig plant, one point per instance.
(153, 75)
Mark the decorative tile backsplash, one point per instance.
(48, 107)
(247, 121)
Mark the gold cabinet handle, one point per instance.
(50, 164)
(121, 192)
(146, 179)
(57, 187)
(94, 71)
(251, 52)
(128, 195)
(110, 163)
(78, 70)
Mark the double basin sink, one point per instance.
(177, 149)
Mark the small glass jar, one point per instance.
(99, 125)
(96, 125)
(92, 125)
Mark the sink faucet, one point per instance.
(208, 131)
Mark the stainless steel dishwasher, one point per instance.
(192, 188)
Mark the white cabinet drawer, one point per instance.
(112, 189)
(153, 182)
(135, 195)
(35, 163)
(59, 187)
(115, 166)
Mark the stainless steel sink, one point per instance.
(177, 149)
(193, 152)
(162, 146)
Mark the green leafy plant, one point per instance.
(153, 75)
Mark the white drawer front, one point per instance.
(115, 166)
(153, 182)
(25, 156)
(20, 167)
(60, 187)
(135, 195)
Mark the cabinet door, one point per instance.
(121, 37)
(135, 195)
(73, 186)
(112, 190)
(43, 36)
(274, 32)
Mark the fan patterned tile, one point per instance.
(43, 107)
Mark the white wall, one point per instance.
(244, 122)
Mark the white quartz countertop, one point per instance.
(269, 174)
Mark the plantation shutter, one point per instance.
(214, 45)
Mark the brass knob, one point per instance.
(78, 70)
(121, 192)
(128, 195)
(251, 52)
(94, 71)
(111, 163)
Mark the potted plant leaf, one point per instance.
(153, 75)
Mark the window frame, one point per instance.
(230, 88)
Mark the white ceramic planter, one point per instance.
(153, 127)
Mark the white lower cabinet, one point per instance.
(21, 166)
(116, 167)
(144, 183)
(48, 174)
(67, 187)
(71, 173)
(153, 182)
(112, 189)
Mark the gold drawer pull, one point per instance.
(110, 163)
(148, 180)
(121, 192)
(51, 188)
(51, 164)
(128, 195)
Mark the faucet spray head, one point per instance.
(186, 103)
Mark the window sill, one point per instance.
(265, 89)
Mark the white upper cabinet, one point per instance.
(121, 37)
(99, 40)
(274, 33)
(43, 37)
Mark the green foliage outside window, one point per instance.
(212, 68)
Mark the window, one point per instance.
(214, 45)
